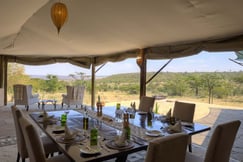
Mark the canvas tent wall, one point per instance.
(108, 30)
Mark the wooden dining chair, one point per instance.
(49, 146)
(146, 104)
(170, 148)
(34, 144)
(185, 112)
(220, 144)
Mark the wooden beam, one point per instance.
(93, 86)
(142, 63)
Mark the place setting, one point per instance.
(45, 118)
(154, 133)
(87, 150)
(120, 142)
(68, 136)
(92, 147)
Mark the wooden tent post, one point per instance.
(142, 63)
(93, 86)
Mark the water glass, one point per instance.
(63, 119)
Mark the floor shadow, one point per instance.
(218, 116)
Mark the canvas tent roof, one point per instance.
(99, 31)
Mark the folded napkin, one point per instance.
(46, 117)
(175, 128)
(69, 134)
(133, 105)
(168, 114)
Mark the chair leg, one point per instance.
(27, 107)
(18, 157)
(23, 159)
(62, 104)
(190, 147)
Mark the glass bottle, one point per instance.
(118, 112)
(99, 107)
(126, 127)
(149, 118)
(85, 121)
(93, 136)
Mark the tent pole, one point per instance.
(93, 86)
(142, 63)
(158, 71)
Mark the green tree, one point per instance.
(195, 82)
(211, 80)
(51, 84)
(176, 86)
(16, 75)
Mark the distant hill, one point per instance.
(135, 77)
(63, 77)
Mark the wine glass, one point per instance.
(163, 121)
(66, 111)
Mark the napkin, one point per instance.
(168, 115)
(46, 117)
(69, 134)
(133, 105)
(175, 128)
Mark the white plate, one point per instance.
(59, 128)
(153, 133)
(142, 112)
(90, 150)
(187, 124)
(76, 139)
(48, 121)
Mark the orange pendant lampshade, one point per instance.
(59, 14)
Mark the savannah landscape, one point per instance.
(217, 89)
(220, 90)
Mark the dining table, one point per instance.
(109, 127)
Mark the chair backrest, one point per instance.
(170, 148)
(33, 142)
(75, 92)
(146, 104)
(19, 134)
(22, 93)
(221, 142)
(184, 111)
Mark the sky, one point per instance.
(202, 62)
